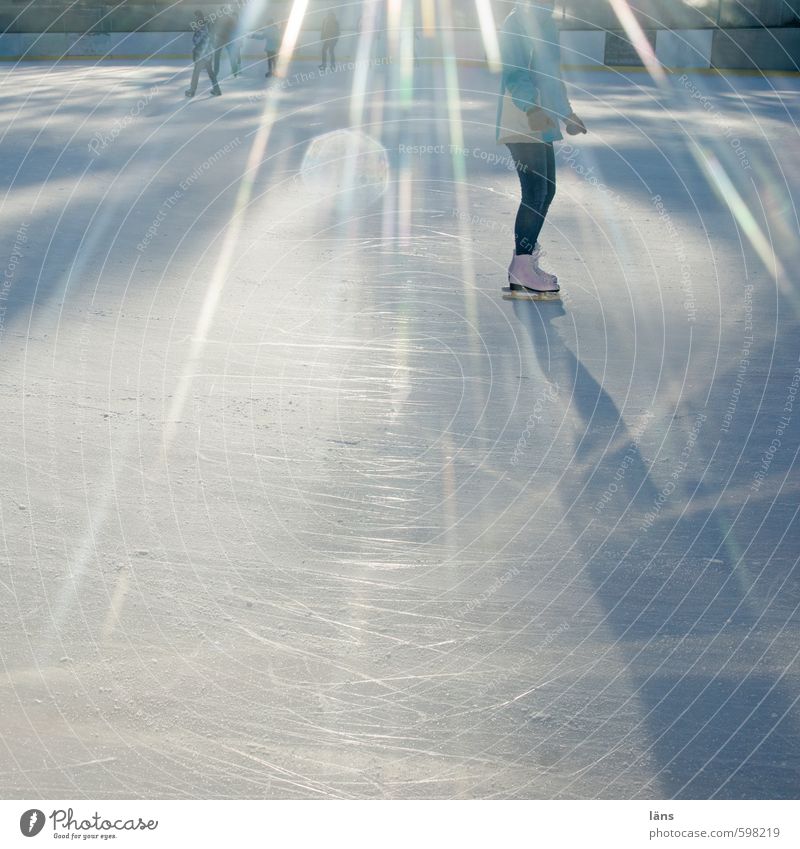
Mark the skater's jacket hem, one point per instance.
(531, 57)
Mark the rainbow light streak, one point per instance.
(639, 40)
(231, 238)
(364, 51)
(721, 182)
(458, 160)
(489, 34)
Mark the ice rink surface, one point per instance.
(295, 505)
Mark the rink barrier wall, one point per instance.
(747, 48)
(765, 50)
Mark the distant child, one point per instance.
(202, 54)
(271, 36)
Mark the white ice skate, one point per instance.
(537, 254)
(526, 281)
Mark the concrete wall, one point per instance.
(747, 49)
(680, 14)
(99, 16)
(113, 16)
(777, 49)
(173, 15)
(51, 45)
(684, 48)
(583, 47)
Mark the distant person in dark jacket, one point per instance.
(329, 35)
(225, 32)
(202, 54)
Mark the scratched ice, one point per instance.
(294, 504)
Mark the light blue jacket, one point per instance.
(272, 40)
(531, 56)
(271, 36)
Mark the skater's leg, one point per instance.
(551, 178)
(535, 164)
(531, 161)
(217, 57)
(195, 78)
(333, 54)
(550, 168)
(213, 77)
(327, 54)
(233, 57)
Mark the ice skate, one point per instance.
(537, 254)
(535, 259)
(527, 282)
(189, 92)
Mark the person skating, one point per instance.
(271, 36)
(272, 44)
(225, 32)
(329, 35)
(202, 54)
(533, 100)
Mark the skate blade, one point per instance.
(510, 294)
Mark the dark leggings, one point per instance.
(328, 48)
(536, 167)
